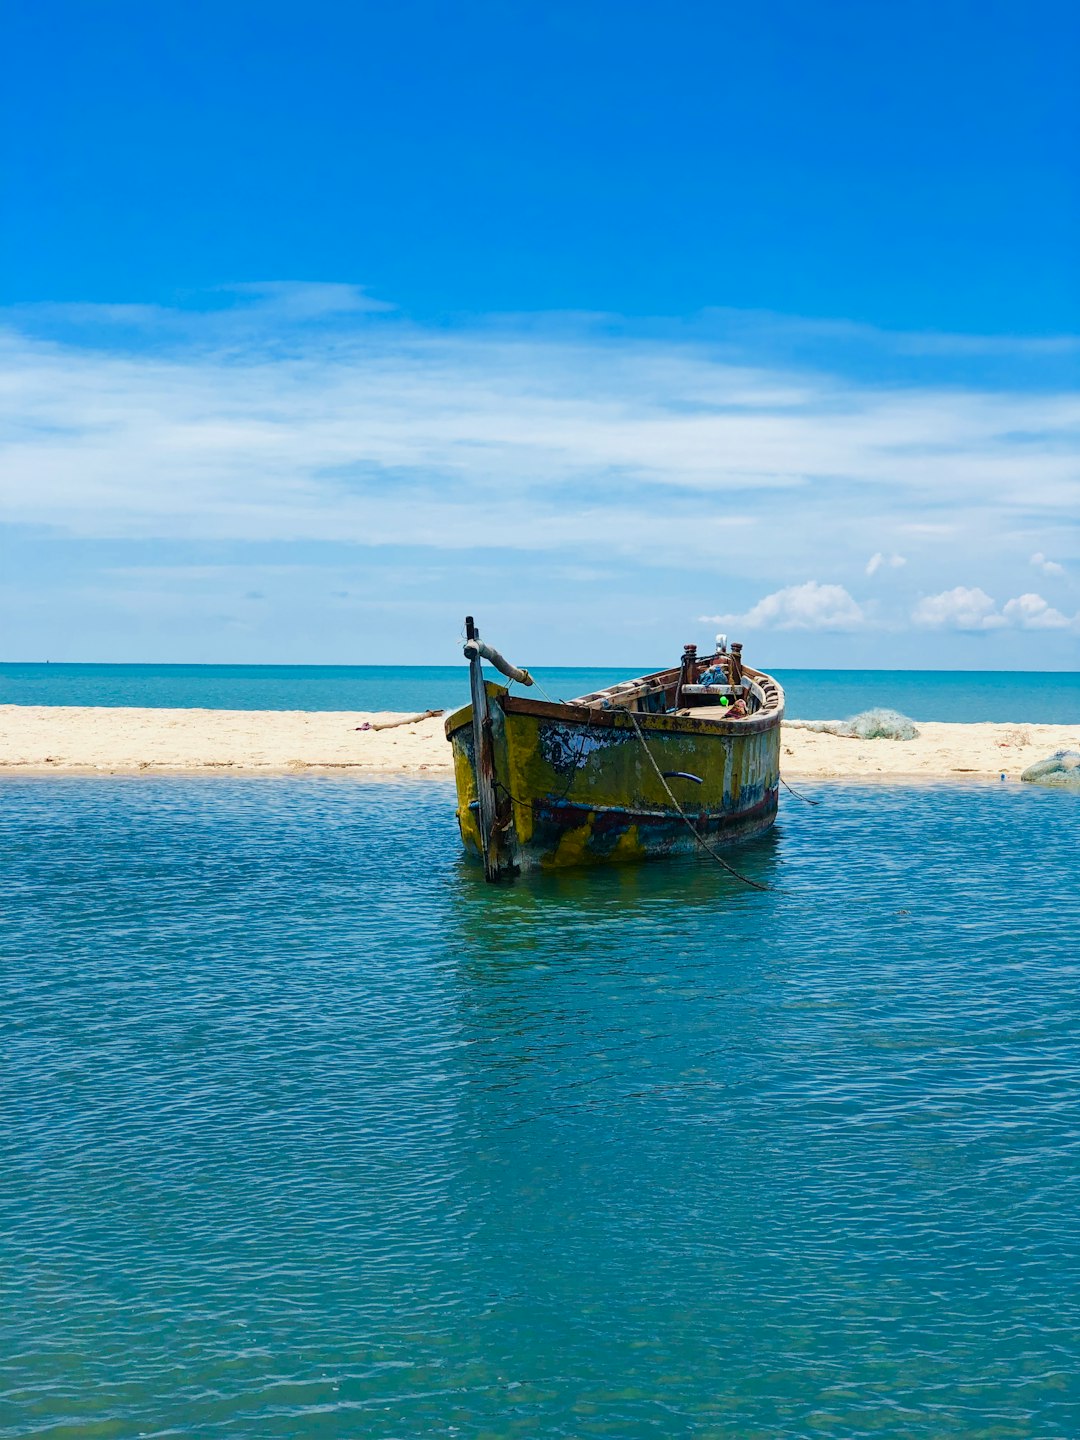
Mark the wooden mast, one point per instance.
(483, 754)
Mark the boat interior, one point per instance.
(710, 687)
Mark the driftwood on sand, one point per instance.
(404, 720)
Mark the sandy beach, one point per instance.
(69, 739)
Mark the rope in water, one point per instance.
(709, 850)
(796, 793)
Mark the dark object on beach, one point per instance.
(876, 724)
(1060, 772)
(653, 766)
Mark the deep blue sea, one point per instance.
(307, 1132)
(1052, 698)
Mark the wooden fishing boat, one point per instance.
(653, 766)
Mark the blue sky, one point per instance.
(322, 325)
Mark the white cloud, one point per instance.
(810, 606)
(307, 299)
(958, 609)
(1032, 612)
(361, 428)
(878, 560)
(935, 343)
(972, 609)
(1048, 567)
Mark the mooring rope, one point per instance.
(545, 694)
(754, 884)
(510, 681)
(796, 793)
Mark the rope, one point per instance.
(543, 692)
(709, 849)
(796, 793)
(536, 682)
(754, 884)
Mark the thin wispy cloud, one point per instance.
(311, 415)
(906, 342)
(306, 300)
(334, 435)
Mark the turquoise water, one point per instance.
(1052, 698)
(306, 1132)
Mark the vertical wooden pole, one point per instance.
(483, 757)
(686, 671)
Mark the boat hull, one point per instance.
(576, 786)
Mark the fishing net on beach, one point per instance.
(1061, 771)
(882, 725)
(876, 724)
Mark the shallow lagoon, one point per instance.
(307, 1132)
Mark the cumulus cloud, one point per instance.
(1048, 567)
(878, 561)
(961, 608)
(810, 606)
(972, 609)
(1032, 612)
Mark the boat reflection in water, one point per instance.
(658, 765)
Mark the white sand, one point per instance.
(59, 739)
(941, 752)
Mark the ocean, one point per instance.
(1051, 699)
(307, 1132)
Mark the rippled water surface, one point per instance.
(307, 1132)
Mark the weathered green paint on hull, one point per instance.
(576, 787)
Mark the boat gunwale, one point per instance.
(615, 718)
